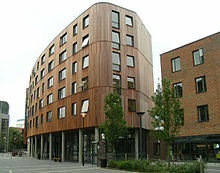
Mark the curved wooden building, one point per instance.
(107, 48)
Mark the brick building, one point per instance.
(194, 71)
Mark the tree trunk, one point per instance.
(168, 153)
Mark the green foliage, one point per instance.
(114, 126)
(15, 139)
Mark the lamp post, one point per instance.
(140, 114)
(83, 116)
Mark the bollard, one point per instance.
(200, 162)
(147, 157)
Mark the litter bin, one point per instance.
(103, 163)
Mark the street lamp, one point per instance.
(140, 114)
(83, 114)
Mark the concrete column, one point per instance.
(50, 146)
(29, 146)
(35, 147)
(63, 146)
(41, 145)
(32, 149)
(96, 145)
(80, 145)
(136, 144)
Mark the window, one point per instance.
(75, 29)
(131, 105)
(175, 64)
(36, 80)
(200, 84)
(37, 122)
(130, 61)
(115, 19)
(37, 65)
(178, 89)
(34, 93)
(116, 62)
(61, 112)
(49, 99)
(85, 62)
(85, 41)
(129, 20)
(116, 83)
(32, 110)
(50, 82)
(38, 92)
(203, 115)
(40, 103)
(49, 116)
(74, 88)
(156, 149)
(30, 124)
(85, 106)
(51, 50)
(115, 40)
(31, 98)
(50, 65)
(62, 56)
(42, 59)
(35, 107)
(131, 82)
(33, 122)
(42, 87)
(74, 48)
(73, 109)
(85, 21)
(63, 39)
(74, 67)
(85, 83)
(41, 119)
(41, 73)
(129, 40)
(198, 57)
(61, 93)
(62, 75)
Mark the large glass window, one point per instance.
(37, 122)
(85, 41)
(130, 61)
(49, 98)
(50, 65)
(61, 112)
(131, 105)
(74, 48)
(40, 103)
(203, 115)
(75, 29)
(115, 19)
(73, 109)
(85, 61)
(74, 88)
(85, 83)
(42, 73)
(115, 40)
(50, 82)
(61, 93)
(85, 106)
(129, 20)
(51, 50)
(85, 21)
(42, 87)
(175, 64)
(62, 56)
(42, 59)
(129, 40)
(38, 92)
(131, 82)
(116, 83)
(63, 39)
(62, 75)
(116, 62)
(74, 67)
(41, 119)
(49, 116)
(178, 91)
(198, 57)
(200, 84)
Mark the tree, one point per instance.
(114, 126)
(15, 139)
(167, 115)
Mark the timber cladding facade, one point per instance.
(105, 49)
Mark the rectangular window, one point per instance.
(49, 98)
(175, 64)
(35, 107)
(116, 83)
(131, 105)
(61, 93)
(129, 40)
(130, 61)
(156, 149)
(203, 115)
(36, 80)
(41, 119)
(42, 87)
(75, 29)
(74, 88)
(31, 98)
(85, 106)
(200, 84)
(40, 103)
(131, 82)
(85, 41)
(42, 59)
(85, 83)
(85, 62)
(198, 57)
(63, 39)
(85, 21)
(73, 109)
(37, 65)
(62, 56)
(32, 110)
(61, 112)
(33, 122)
(74, 48)
(41, 73)
(50, 65)
(178, 89)
(115, 40)
(50, 82)
(38, 92)
(74, 67)
(129, 20)
(115, 19)
(116, 62)
(51, 50)
(30, 124)
(37, 122)
(62, 75)
(49, 116)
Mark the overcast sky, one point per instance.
(28, 26)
